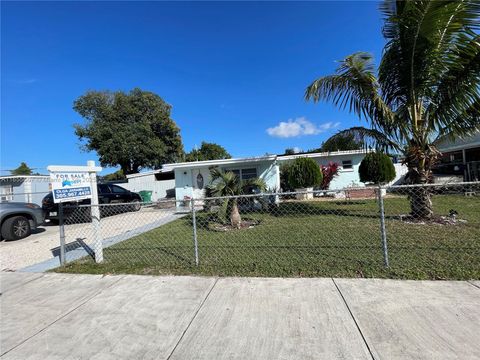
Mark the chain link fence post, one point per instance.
(194, 222)
(62, 234)
(382, 226)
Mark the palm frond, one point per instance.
(256, 183)
(355, 86)
(459, 89)
(422, 40)
(370, 137)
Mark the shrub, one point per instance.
(303, 173)
(328, 173)
(376, 168)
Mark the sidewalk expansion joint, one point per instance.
(193, 318)
(63, 316)
(475, 285)
(353, 318)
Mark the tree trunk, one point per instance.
(235, 218)
(420, 201)
(419, 164)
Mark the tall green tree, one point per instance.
(427, 85)
(208, 151)
(115, 176)
(22, 169)
(133, 130)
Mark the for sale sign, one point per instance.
(70, 186)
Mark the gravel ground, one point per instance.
(44, 242)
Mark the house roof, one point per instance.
(17, 177)
(459, 143)
(147, 173)
(323, 154)
(207, 163)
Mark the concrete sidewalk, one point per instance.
(59, 316)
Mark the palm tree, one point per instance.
(229, 184)
(427, 86)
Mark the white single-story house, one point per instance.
(24, 188)
(192, 177)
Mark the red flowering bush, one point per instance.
(329, 172)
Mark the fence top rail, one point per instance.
(336, 190)
(144, 204)
(287, 193)
(432, 185)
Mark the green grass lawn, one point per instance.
(316, 238)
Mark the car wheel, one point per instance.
(136, 205)
(16, 228)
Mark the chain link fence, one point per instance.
(430, 231)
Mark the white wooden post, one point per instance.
(59, 172)
(95, 213)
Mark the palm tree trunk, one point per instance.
(420, 200)
(235, 218)
(421, 203)
(420, 159)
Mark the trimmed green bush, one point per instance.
(376, 168)
(303, 173)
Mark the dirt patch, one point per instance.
(436, 220)
(246, 224)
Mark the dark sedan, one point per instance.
(107, 194)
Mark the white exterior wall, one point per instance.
(345, 177)
(148, 182)
(30, 189)
(351, 177)
(186, 178)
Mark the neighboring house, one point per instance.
(160, 183)
(24, 188)
(460, 159)
(192, 177)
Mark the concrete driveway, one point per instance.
(61, 316)
(44, 243)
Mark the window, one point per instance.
(244, 174)
(6, 192)
(347, 164)
(118, 190)
(170, 175)
(249, 173)
(103, 189)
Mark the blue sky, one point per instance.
(234, 72)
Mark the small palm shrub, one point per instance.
(376, 168)
(303, 173)
(228, 184)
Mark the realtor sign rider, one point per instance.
(71, 186)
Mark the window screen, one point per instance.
(249, 173)
(347, 164)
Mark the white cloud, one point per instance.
(297, 150)
(299, 127)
